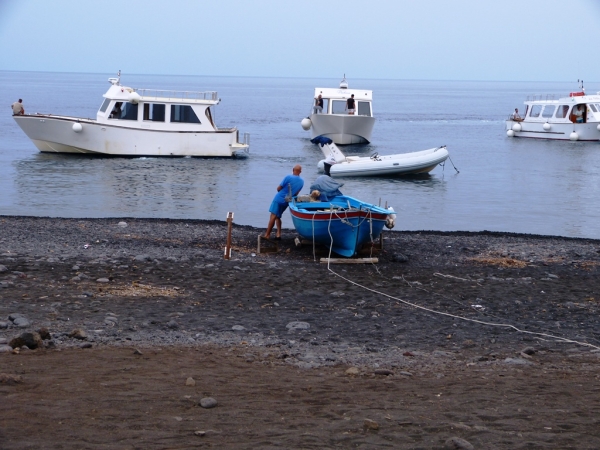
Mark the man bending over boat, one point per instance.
(288, 188)
(17, 108)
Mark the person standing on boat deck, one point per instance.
(319, 104)
(350, 105)
(290, 186)
(578, 114)
(17, 108)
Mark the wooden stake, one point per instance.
(229, 226)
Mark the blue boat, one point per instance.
(342, 223)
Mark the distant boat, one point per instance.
(139, 122)
(423, 161)
(575, 118)
(335, 122)
(343, 223)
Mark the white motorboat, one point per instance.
(575, 118)
(335, 122)
(337, 164)
(139, 122)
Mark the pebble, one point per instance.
(200, 433)
(102, 280)
(208, 402)
(122, 224)
(370, 425)
(142, 258)
(517, 361)
(383, 372)
(86, 345)
(352, 371)
(3, 325)
(5, 349)
(78, 334)
(190, 382)
(456, 443)
(238, 328)
(21, 322)
(3, 268)
(298, 326)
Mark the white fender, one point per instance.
(306, 123)
(547, 126)
(573, 136)
(516, 127)
(510, 133)
(77, 127)
(390, 221)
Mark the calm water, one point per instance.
(504, 184)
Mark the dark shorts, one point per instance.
(278, 208)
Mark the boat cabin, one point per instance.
(574, 109)
(155, 109)
(334, 101)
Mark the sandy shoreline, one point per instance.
(162, 287)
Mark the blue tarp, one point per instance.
(321, 140)
(328, 187)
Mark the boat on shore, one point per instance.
(338, 164)
(575, 118)
(343, 224)
(139, 122)
(335, 122)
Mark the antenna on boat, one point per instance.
(344, 83)
(116, 81)
(581, 85)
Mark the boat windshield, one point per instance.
(364, 109)
(105, 105)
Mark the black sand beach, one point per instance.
(486, 337)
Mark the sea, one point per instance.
(491, 182)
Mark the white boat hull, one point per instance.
(343, 129)
(399, 164)
(558, 131)
(55, 134)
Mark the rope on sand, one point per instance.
(481, 322)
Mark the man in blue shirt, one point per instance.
(289, 187)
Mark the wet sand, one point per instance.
(296, 353)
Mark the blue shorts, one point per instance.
(278, 208)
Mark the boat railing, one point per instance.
(177, 95)
(540, 97)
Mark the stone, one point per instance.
(14, 316)
(6, 378)
(529, 351)
(5, 349)
(370, 425)
(352, 371)
(383, 372)
(517, 361)
(3, 268)
(399, 257)
(122, 224)
(238, 328)
(78, 334)
(297, 326)
(142, 258)
(137, 352)
(208, 402)
(200, 433)
(86, 345)
(3, 325)
(102, 280)
(29, 340)
(44, 333)
(190, 382)
(456, 443)
(21, 322)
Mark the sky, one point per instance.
(490, 40)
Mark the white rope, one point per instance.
(501, 325)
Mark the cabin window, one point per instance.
(364, 109)
(535, 111)
(183, 113)
(154, 112)
(325, 105)
(105, 105)
(548, 111)
(124, 111)
(338, 107)
(593, 107)
(562, 111)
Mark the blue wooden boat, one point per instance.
(343, 223)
